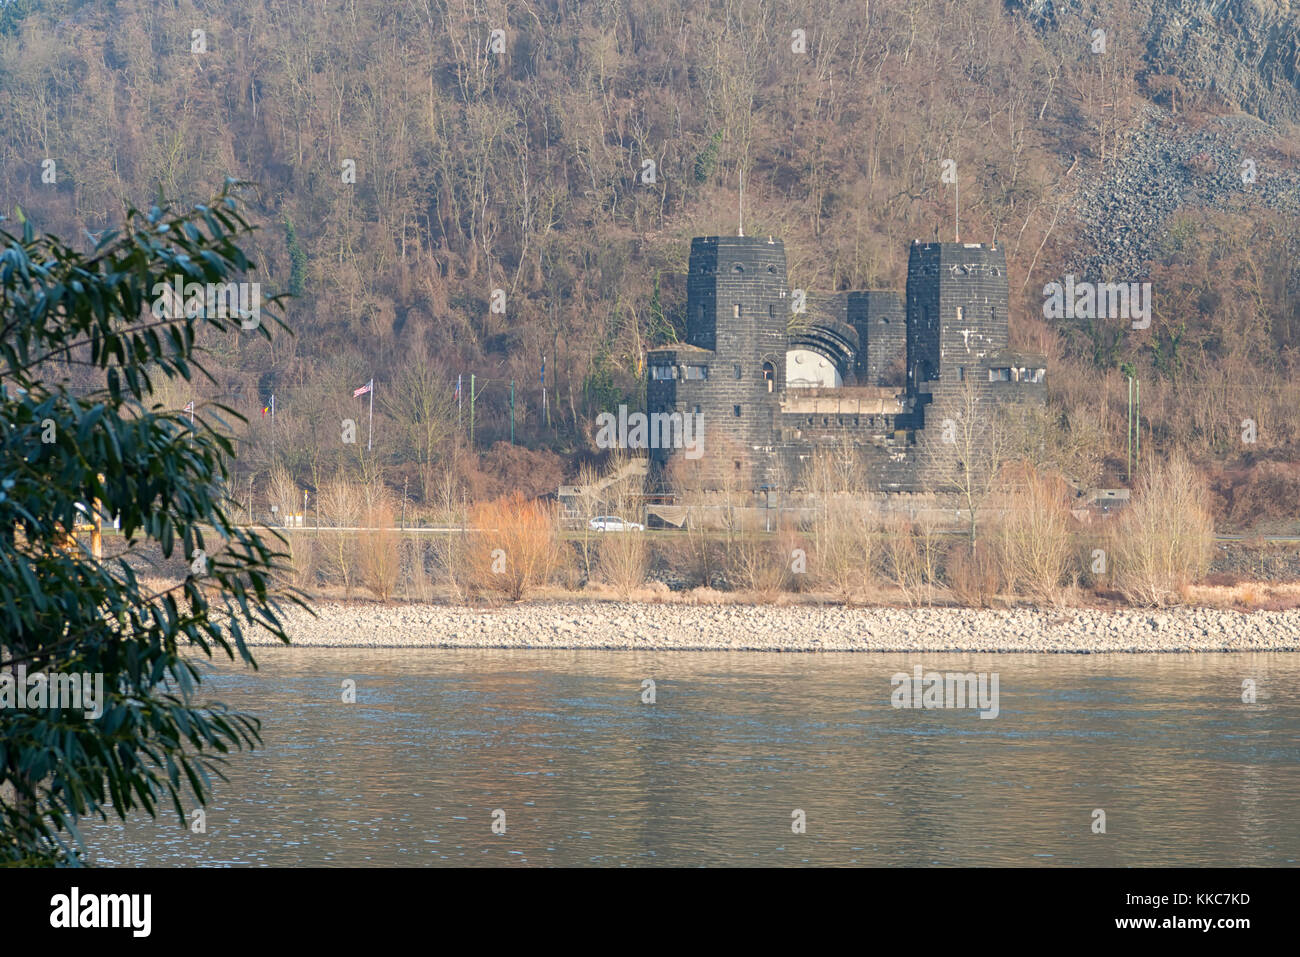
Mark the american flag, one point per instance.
(364, 389)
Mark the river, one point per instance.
(717, 770)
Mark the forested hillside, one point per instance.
(409, 161)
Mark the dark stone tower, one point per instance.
(733, 369)
(736, 299)
(956, 309)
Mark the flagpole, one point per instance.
(370, 429)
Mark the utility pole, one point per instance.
(97, 528)
(1130, 429)
(1137, 429)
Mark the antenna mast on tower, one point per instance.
(741, 230)
(956, 211)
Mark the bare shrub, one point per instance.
(845, 537)
(1163, 541)
(514, 546)
(792, 556)
(703, 549)
(903, 561)
(416, 582)
(379, 559)
(283, 493)
(759, 564)
(448, 549)
(973, 577)
(588, 506)
(624, 560)
(1034, 539)
(300, 569)
(624, 556)
(929, 546)
(341, 506)
(569, 566)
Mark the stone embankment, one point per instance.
(683, 627)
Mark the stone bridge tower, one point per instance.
(731, 371)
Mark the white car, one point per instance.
(612, 523)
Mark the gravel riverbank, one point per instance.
(682, 627)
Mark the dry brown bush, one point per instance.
(973, 577)
(903, 562)
(624, 560)
(1163, 541)
(341, 506)
(506, 468)
(1267, 494)
(759, 565)
(845, 537)
(416, 582)
(450, 510)
(514, 546)
(912, 557)
(378, 553)
(588, 506)
(1034, 542)
(789, 543)
(703, 550)
(301, 570)
(283, 493)
(615, 490)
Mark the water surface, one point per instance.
(711, 773)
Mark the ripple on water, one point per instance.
(438, 740)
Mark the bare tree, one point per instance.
(422, 405)
(966, 448)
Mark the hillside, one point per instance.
(517, 161)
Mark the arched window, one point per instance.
(769, 376)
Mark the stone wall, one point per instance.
(881, 322)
